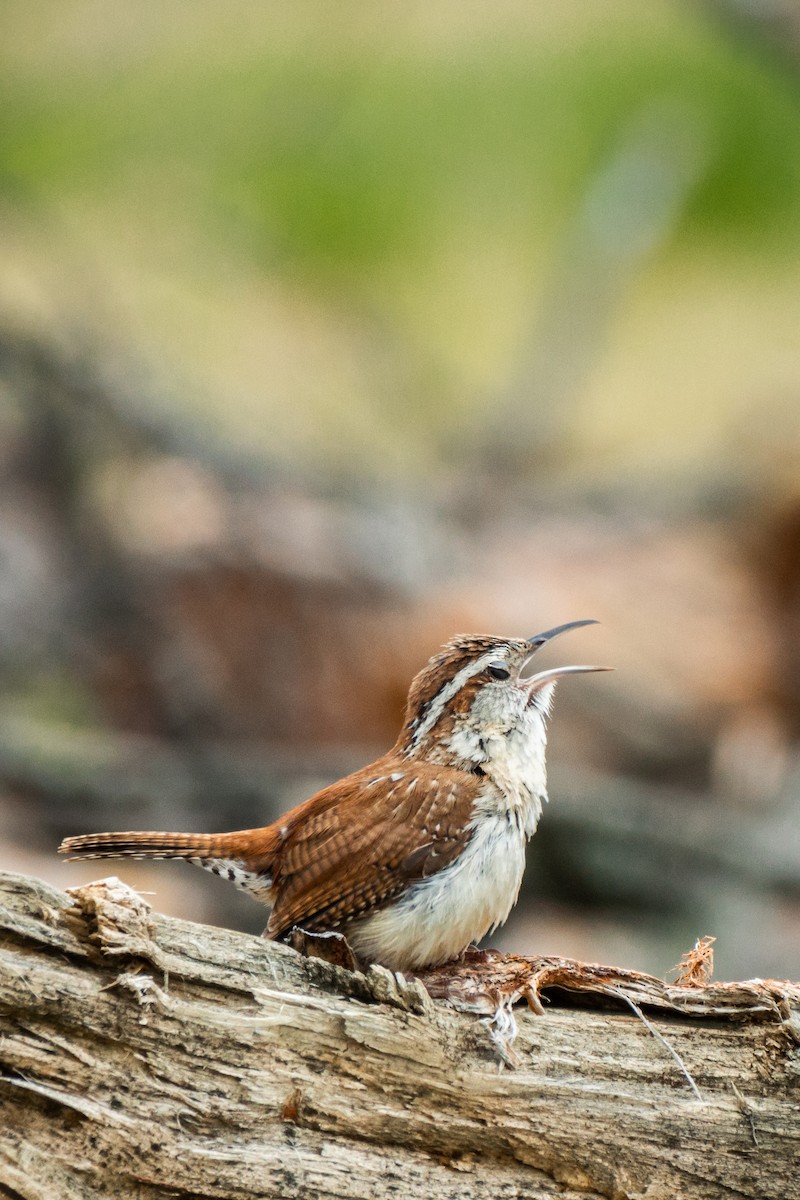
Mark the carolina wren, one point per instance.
(420, 853)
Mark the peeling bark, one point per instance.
(146, 1057)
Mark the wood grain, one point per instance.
(145, 1057)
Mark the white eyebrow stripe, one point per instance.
(445, 694)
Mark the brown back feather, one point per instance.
(348, 849)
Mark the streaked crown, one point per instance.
(473, 666)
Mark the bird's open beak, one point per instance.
(534, 682)
(539, 639)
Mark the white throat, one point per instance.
(510, 750)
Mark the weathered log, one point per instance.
(147, 1057)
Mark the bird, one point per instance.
(417, 856)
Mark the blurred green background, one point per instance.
(326, 331)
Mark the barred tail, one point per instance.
(245, 857)
(167, 845)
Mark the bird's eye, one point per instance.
(498, 670)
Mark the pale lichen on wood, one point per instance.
(148, 1057)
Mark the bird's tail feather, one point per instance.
(246, 844)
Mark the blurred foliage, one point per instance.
(344, 161)
(397, 188)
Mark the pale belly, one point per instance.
(440, 916)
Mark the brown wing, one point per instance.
(361, 842)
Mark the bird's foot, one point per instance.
(330, 947)
(472, 954)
